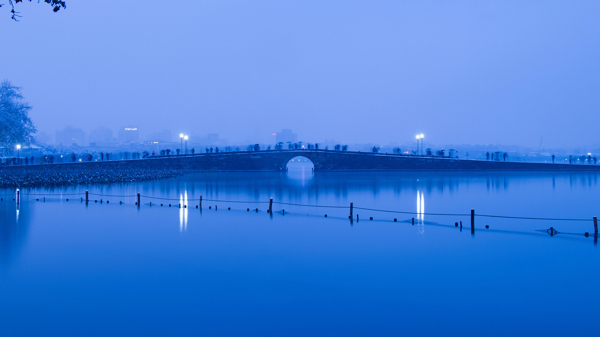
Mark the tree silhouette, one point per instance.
(16, 127)
(55, 4)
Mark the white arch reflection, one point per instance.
(300, 169)
(183, 211)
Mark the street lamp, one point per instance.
(19, 153)
(186, 138)
(181, 147)
(421, 135)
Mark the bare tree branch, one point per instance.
(56, 6)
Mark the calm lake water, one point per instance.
(67, 269)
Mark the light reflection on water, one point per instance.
(421, 212)
(183, 211)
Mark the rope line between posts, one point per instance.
(236, 201)
(213, 200)
(303, 205)
(307, 205)
(112, 195)
(400, 212)
(477, 215)
(49, 194)
(527, 218)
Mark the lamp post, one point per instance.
(421, 135)
(186, 138)
(418, 137)
(19, 154)
(181, 146)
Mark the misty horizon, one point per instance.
(205, 139)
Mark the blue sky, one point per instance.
(461, 72)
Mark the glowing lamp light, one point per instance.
(421, 135)
(186, 137)
(181, 135)
(18, 146)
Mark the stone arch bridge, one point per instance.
(327, 160)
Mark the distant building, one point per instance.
(286, 135)
(101, 135)
(70, 136)
(212, 138)
(161, 137)
(43, 138)
(129, 134)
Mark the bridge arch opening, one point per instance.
(300, 163)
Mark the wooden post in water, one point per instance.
(200, 202)
(595, 227)
(18, 196)
(271, 206)
(138, 195)
(472, 221)
(351, 209)
(413, 221)
(87, 198)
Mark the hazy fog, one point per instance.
(475, 72)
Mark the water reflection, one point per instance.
(302, 183)
(510, 193)
(14, 227)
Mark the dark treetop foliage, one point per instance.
(15, 125)
(56, 6)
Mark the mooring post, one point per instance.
(413, 221)
(87, 198)
(138, 195)
(595, 227)
(351, 209)
(18, 196)
(271, 206)
(472, 221)
(200, 202)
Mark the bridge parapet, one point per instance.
(323, 160)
